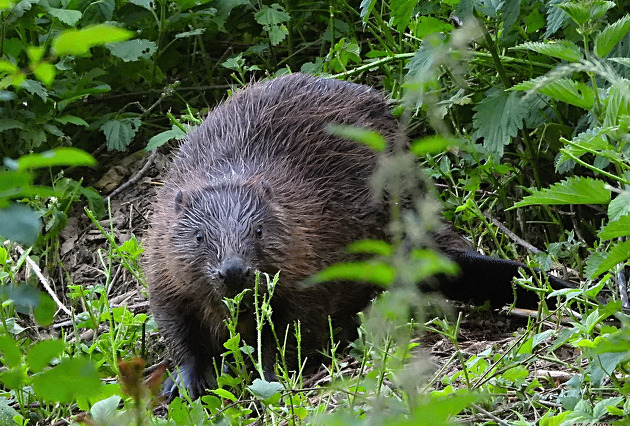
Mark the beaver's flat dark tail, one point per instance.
(484, 278)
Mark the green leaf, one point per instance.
(263, 390)
(79, 42)
(402, 11)
(619, 207)
(564, 90)
(67, 16)
(434, 145)
(616, 229)
(378, 247)
(562, 49)
(585, 10)
(45, 72)
(20, 223)
(147, 4)
(70, 378)
(429, 25)
(7, 413)
(367, 137)
(65, 156)
(8, 124)
(45, 310)
(133, 50)
(271, 15)
(99, 11)
(610, 36)
(498, 119)
(366, 8)
(42, 353)
(11, 355)
(103, 411)
(374, 272)
(168, 135)
(34, 53)
(599, 263)
(119, 133)
(8, 67)
(224, 394)
(575, 190)
(72, 120)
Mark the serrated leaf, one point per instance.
(119, 133)
(599, 263)
(498, 119)
(616, 229)
(147, 4)
(510, 12)
(20, 223)
(622, 61)
(619, 207)
(132, 50)
(562, 49)
(263, 390)
(67, 16)
(564, 90)
(575, 190)
(277, 33)
(79, 42)
(99, 11)
(429, 25)
(163, 137)
(365, 9)
(379, 273)
(583, 11)
(59, 384)
(42, 353)
(608, 38)
(271, 15)
(66, 156)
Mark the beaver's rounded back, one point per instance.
(262, 185)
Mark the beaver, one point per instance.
(263, 185)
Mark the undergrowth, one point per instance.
(529, 104)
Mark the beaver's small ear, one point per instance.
(267, 190)
(179, 201)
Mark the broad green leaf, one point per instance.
(429, 25)
(192, 33)
(277, 33)
(147, 4)
(223, 393)
(166, 136)
(45, 72)
(564, 90)
(584, 10)
(98, 11)
(263, 390)
(402, 11)
(575, 190)
(364, 136)
(67, 16)
(8, 67)
(70, 378)
(187, 4)
(10, 352)
(119, 133)
(379, 273)
(5, 4)
(622, 61)
(42, 353)
(498, 119)
(45, 310)
(610, 36)
(66, 156)
(8, 124)
(7, 413)
(618, 228)
(35, 88)
(73, 120)
(599, 263)
(79, 42)
(132, 50)
(510, 12)
(271, 15)
(618, 103)
(103, 411)
(34, 53)
(366, 8)
(562, 49)
(619, 207)
(20, 223)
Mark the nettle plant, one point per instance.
(591, 78)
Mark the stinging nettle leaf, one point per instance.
(564, 90)
(575, 190)
(561, 49)
(618, 228)
(599, 263)
(610, 36)
(132, 50)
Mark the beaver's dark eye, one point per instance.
(199, 237)
(259, 232)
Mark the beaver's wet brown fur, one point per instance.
(263, 185)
